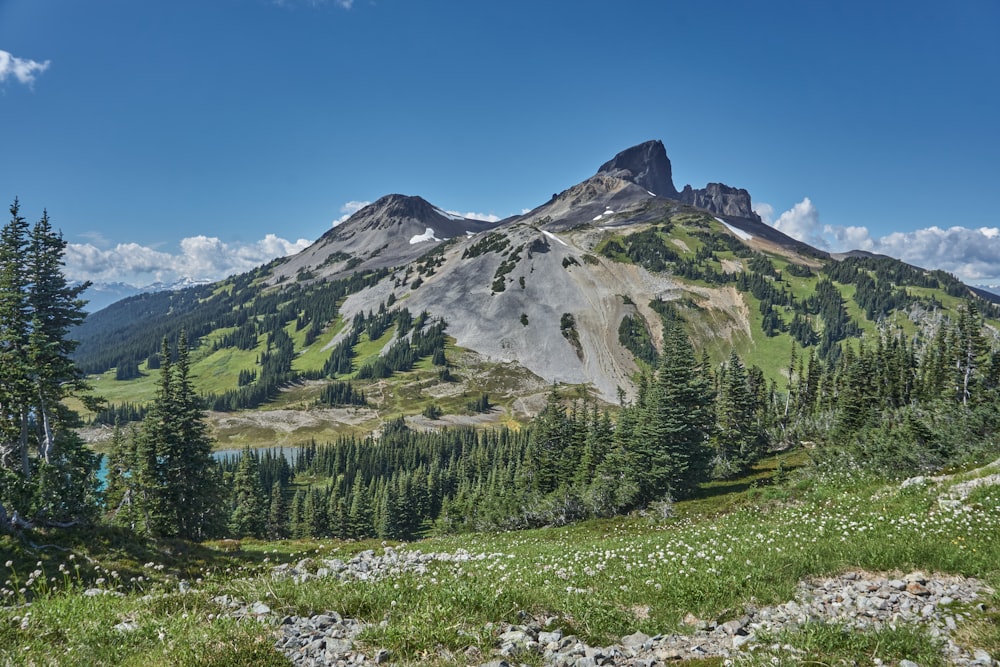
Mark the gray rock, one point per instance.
(734, 626)
(636, 640)
(546, 638)
(982, 657)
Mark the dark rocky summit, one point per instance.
(721, 200)
(646, 165)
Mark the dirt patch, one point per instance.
(731, 266)
(288, 421)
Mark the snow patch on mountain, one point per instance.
(746, 236)
(429, 235)
(554, 237)
(450, 216)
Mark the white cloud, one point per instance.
(801, 222)
(850, 238)
(199, 258)
(765, 211)
(971, 254)
(21, 69)
(349, 209)
(485, 217)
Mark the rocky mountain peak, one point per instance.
(646, 165)
(720, 199)
(402, 206)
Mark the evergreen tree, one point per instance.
(181, 494)
(547, 446)
(70, 467)
(314, 513)
(15, 371)
(360, 516)
(336, 516)
(47, 473)
(119, 491)
(297, 526)
(277, 515)
(969, 351)
(248, 516)
(856, 399)
(670, 454)
(737, 437)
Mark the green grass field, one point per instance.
(745, 541)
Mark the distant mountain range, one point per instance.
(102, 295)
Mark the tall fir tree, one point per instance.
(737, 437)
(548, 446)
(277, 514)
(360, 516)
(670, 455)
(179, 488)
(47, 474)
(248, 517)
(69, 466)
(15, 371)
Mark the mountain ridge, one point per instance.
(573, 291)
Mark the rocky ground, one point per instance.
(856, 600)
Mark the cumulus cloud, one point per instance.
(349, 209)
(765, 211)
(199, 258)
(801, 222)
(485, 217)
(971, 254)
(21, 69)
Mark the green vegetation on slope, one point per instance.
(600, 580)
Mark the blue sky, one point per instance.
(202, 137)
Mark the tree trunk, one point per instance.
(48, 441)
(23, 445)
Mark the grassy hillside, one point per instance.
(106, 598)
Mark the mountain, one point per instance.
(101, 295)
(574, 291)
(393, 230)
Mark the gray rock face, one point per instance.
(720, 199)
(393, 231)
(646, 165)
